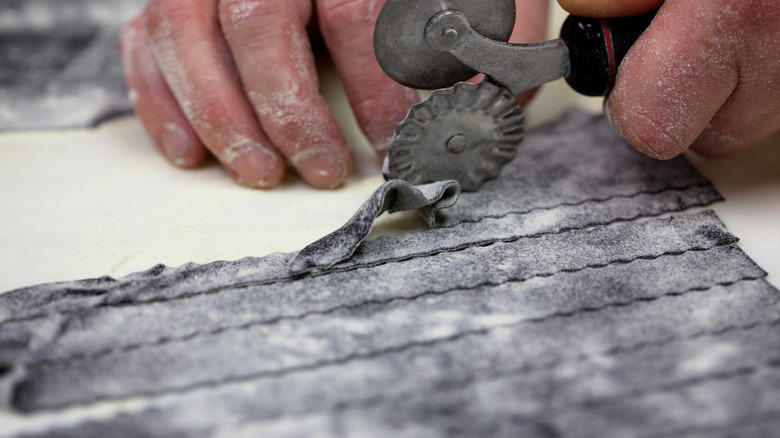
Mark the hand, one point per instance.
(705, 75)
(237, 78)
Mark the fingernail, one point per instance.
(132, 96)
(321, 168)
(176, 143)
(254, 165)
(611, 118)
(381, 148)
(381, 145)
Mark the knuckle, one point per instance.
(162, 14)
(234, 12)
(258, 13)
(207, 110)
(131, 32)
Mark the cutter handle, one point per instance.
(596, 49)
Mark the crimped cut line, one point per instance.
(547, 366)
(672, 386)
(466, 381)
(586, 201)
(730, 430)
(43, 365)
(631, 395)
(273, 374)
(485, 243)
(369, 265)
(347, 307)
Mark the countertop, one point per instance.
(93, 202)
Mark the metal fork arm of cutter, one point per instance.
(539, 62)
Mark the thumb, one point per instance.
(610, 8)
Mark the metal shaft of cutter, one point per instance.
(587, 54)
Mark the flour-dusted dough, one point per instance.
(59, 66)
(570, 297)
(393, 196)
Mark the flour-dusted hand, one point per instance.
(705, 75)
(237, 78)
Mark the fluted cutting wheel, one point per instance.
(467, 132)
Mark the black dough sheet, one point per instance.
(59, 66)
(570, 297)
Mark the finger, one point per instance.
(530, 27)
(195, 62)
(269, 42)
(752, 112)
(378, 102)
(744, 120)
(531, 22)
(153, 101)
(674, 79)
(610, 8)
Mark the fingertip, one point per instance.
(181, 145)
(253, 164)
(673, 81)
(322, 168)
(647, 133)
(610, 8)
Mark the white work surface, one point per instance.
(88, 203)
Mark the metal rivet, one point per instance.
(457, 143)
(449, 34)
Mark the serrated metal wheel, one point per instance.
(467, 132)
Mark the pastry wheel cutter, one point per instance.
(468, 131)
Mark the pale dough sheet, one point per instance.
(87, 203)
(50, 52)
